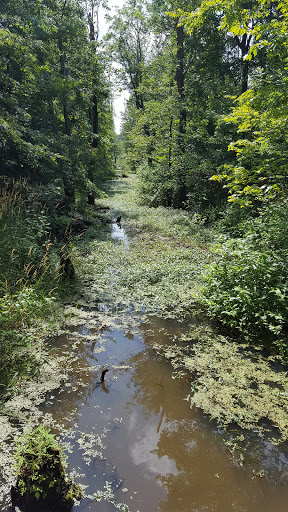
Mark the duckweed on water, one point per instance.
(160, 273)
(171, 223)
(155, 275)
(233, 383)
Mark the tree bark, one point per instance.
(170, 143)
(244, 45)
(64, 73)
(181, 194)
(69, 190)
(180, 81)
(95, 121)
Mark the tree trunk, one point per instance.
(181, 194)
(69, 190)
(245, 74)
(170, 143)
(180, 86)
(244, 45)
(95, 122)
(64, 73)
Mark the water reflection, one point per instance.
(164, 455)
(118, 233)
(143, 450)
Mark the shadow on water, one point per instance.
(135, 436)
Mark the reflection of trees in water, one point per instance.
(207, 478)
(82, 382)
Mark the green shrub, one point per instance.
(26, 253)
(29, 272)
(247, 288)
(16, 361)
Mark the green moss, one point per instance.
(41, 478)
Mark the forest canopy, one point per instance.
(206, 129)
(208, 105)
(55, 104)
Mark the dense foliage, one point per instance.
(247, 287)
(55, 108)
(209, 136)
(56, 150)
(204, 128)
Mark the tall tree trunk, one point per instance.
(170, 143)
(64, 74)
(181, 194)
(69, 190)
(95, 120)
(180, 85)
(244, 45)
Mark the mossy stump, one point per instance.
(41, 479)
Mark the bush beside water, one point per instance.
(41, 478)
(247, 288)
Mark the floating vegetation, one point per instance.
(108, 495)
(157, 277)
(233, 383)
(92, 446)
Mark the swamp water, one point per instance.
(133, 442)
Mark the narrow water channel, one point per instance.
(134, 439)
(133, 442)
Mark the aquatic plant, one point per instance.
(160, 271)
(233, 383)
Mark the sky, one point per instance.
(119, 98)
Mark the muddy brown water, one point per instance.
(159, 455)
(136, 437)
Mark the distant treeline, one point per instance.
(207, 117)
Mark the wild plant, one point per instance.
(28, 277)
(247, 288)
(40, 469)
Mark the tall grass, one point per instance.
(29, 275)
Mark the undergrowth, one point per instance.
(169, 222)
(247, 288)
(175, 263)
(30, 277)
(159, 269)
